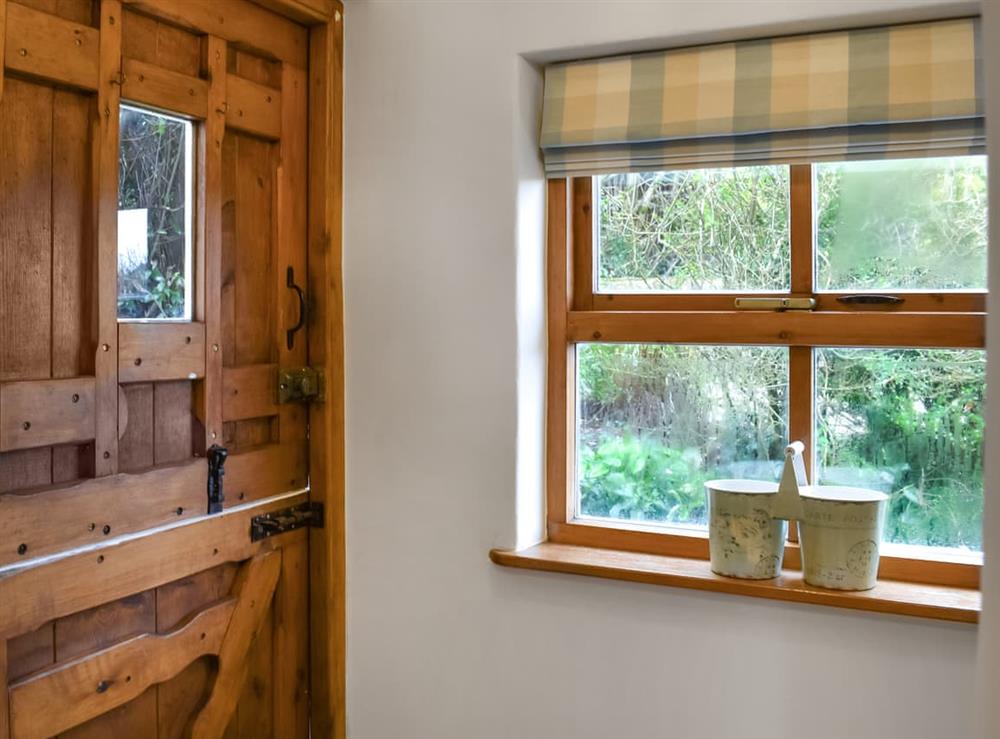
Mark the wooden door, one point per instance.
(154, 214)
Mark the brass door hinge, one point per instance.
(300, 385)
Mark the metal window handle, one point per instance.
(869, 299)
(290, 283)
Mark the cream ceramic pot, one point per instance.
(839, 533)
(743, 540)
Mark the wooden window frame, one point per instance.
(194, 158)
(576, 313)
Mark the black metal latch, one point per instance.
(287, 519)
(216, 469)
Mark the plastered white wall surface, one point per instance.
(443, 263)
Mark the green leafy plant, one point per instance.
(151, 293)
(639, 479)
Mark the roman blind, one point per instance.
(892, 91)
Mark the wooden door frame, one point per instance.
(326, 353)
(328, 629)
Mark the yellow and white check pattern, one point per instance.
(906, 90)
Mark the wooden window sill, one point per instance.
(904, 598)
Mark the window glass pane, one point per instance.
(907, 224)
(154, 216)
(694, 230)
(656, 421)
(909, 423)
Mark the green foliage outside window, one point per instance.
(656, 422)
(711, 229)
(152, 176)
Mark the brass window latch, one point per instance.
(776, 304)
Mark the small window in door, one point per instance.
(156, 167)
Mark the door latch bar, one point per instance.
(271, 524)
(216, 469)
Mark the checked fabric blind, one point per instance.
(893, 91)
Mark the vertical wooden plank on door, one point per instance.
(30, 652)
(25, 231)
(26, 653)
(3, 36)
(254, 589)
(290, 238)
(291, 643)
(135, 448)
(25, 258)
(227, 293)
(105, 189)
(209, 307)
(137, 718)
(254, 717)
(255, 291)
(180, 697)
(72, 260)
(171, 422)
(4, 702)
(250, 292)
(98, 628)
(326, 352)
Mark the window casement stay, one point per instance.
(775, 304)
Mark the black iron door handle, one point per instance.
(216, 469)
(290, 283)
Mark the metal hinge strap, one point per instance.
(287, 519)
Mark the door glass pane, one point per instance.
(905, 224)
(655, 421)
(702, 230)
(155, 168)
(908, 423)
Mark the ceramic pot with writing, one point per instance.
(743, 539)
(840, 532)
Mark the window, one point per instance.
(673, 361)
(735, 239)
(656, 421)
(156, 169)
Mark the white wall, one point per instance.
(444, 366)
